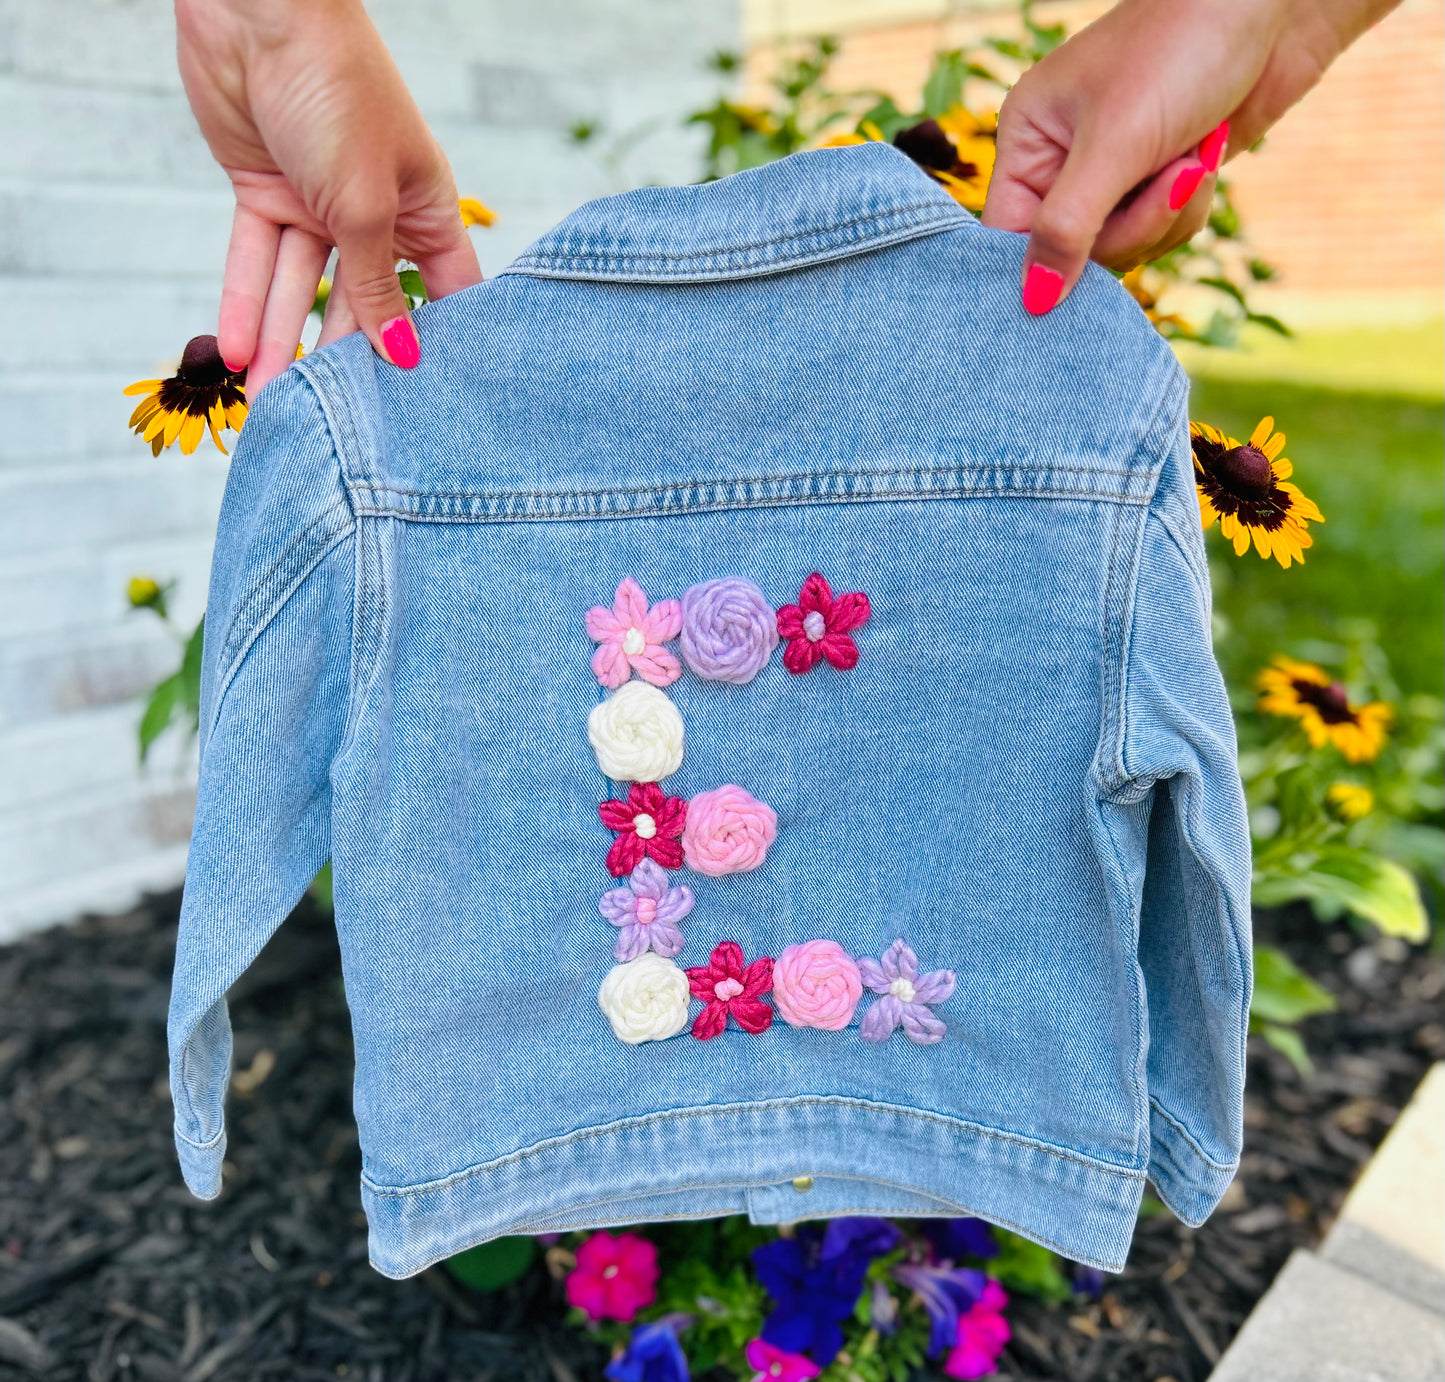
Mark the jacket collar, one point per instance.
(804, 209)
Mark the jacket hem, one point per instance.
(201, 1164)
(1189, 1182)
(861, 1158)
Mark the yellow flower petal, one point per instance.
(1283, 468)
(192, 430)
(1260, 435)
(1274, 445)
(145, 386)
(1241, 540)
(1263, 541)
(474, 213)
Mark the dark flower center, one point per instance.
(1245, 471)
(201, 365)
(1331, 701)
(926, 143)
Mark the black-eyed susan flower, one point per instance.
(1138, 286)
(201, 394)
(1349, 802)
(475, 214)
(1301, 691)
(1245, 486)
(957, 150)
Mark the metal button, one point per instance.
(802, 1184)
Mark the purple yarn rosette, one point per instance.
(729, 630)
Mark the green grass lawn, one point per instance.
(1375, 464)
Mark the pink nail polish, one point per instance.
(1212, 146)
(234, 369)
(1185, 185)
(1042, 287)
(399, 337)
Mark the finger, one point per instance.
(1027, 161)
(250, 261)
(339, 320)
(452, 268)
(300, 260)
(366, 272)
(1132, 231)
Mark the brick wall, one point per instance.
(113, 225)
(1346, 197)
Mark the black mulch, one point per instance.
(110, 1270)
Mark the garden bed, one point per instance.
(109, 1269)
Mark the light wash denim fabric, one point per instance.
(821, 365)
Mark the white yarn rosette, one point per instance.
(646, 999)
(637, 734)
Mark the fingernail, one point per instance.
(1185, 185)
(234, 369)
(1212, 146)
(399, 337)
(1042, 287)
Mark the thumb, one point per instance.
(1095, 178)
(366, 274)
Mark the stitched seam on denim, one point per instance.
(1176, 1178)
(1139, 1069)
(768, 1106)
(1200, 578)
(884, 219)
(1189, 1138)
(234, 649)
(735, 482)
(207, 1146)
(919, 496)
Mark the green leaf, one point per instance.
(1372, 887)
(1289, 1043)
(493, 1265)
(1269, 322)
(1027, 1267)
(321, 889)
(411, 283)
(159, 712)
(1282, 992)
(944, 88)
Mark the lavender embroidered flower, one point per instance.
(729, 630)
(648, 909)
(906, 996)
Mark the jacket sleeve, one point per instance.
(274, 701)
(1194, 921)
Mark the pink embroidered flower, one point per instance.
(906, 997)
(982, 1333)
(614, 1277)
(727, 831)
(631, 638)
(730, 988)
(648, 910)
(816, 984)
(821, 626)
(774, 1365)
(649, 826)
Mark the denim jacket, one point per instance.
(754, 683)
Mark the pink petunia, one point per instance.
(630, 638)
(614, 1277)
(775, 1365)
(982, 1333)
(820, 626)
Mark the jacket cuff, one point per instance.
(201, 1164)
(1187, 1180)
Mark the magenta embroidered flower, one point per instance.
(816, 984)
(727, 831)
(820, 626)
(648, 826)
(648, 909)
(777, 1365)
(982, 1333)
(906, 997)
(730, 988)
(630, 638)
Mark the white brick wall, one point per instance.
(113, 224)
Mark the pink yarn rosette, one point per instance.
(816, 984)
(727, 831)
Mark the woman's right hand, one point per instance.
(303, 107)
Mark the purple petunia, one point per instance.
(906, 997)
(648, 908)
(946, 1293)
(653, 1354)
(953, 1239)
